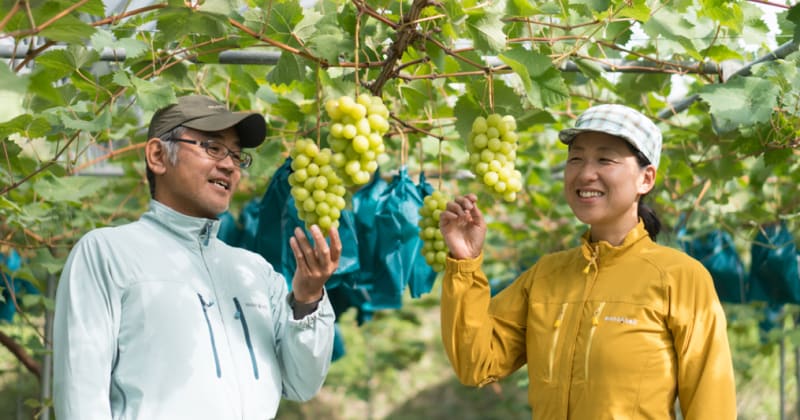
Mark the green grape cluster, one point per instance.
(317, 190)
(492, 148)
(434, 248)
(356, 135)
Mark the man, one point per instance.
(158, 319)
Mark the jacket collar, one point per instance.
(592, 251)
(186, 228)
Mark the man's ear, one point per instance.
(156, 156)
(648, 180)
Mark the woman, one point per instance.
(617, 328)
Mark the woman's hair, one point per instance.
(171, 148)
(651, 222)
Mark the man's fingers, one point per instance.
(336, 245)
(298, 253)
(319, 241)
(302, 249)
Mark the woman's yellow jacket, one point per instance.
(606, 332)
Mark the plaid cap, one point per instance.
(205, 114)
(620, 121)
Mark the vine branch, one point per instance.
(22, 355)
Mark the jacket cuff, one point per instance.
(466, 265)
(299, 309)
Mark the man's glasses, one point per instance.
(219, 151)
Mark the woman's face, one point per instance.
(603, 182)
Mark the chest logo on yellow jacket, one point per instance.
(620, 319)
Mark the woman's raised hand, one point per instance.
(463, 227)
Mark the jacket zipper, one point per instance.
(556, 325)
(595, 323)
(205, 307)
(240, 316)
(205, 235)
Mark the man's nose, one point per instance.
(228, 163)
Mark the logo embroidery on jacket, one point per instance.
(621, 320)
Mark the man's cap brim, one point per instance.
(250, 127)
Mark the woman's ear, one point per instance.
(648, 180)
(156, 156)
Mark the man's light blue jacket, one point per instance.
(159, 319)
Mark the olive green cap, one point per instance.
(206, 114)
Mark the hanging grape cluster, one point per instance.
(356, 135)
(434, 248)
(492, 147)
(317, 190)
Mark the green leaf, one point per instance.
(720, 53)
(793, 15)
(71, 189)
(741, 101)
(535, 117)
(553, 8)
(589, 68)
(593, 5)
(93, 124)
(636, 9)
(10, 81)
(133, 48)
(619, 32)
(506, 101)
(487, 33)
(69, 29)
(467, 110)
(8, 204)
(289, 69)
(176, 23)
(777, 156)
(307, 25)
(416, 94)
(283, 17)
(56, 62)
(640, 84)
(44, 260)
(674, 31)
(514, 58)
(152, 95)
(269, 153)
(93, 7)
(726, 12)
(543, 83)
(26, 125)
(220, 7)
(329, 42)
(521, 8)
(288, 109)
(121, 78)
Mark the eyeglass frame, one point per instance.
(241, 158)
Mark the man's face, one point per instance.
(199, 185)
